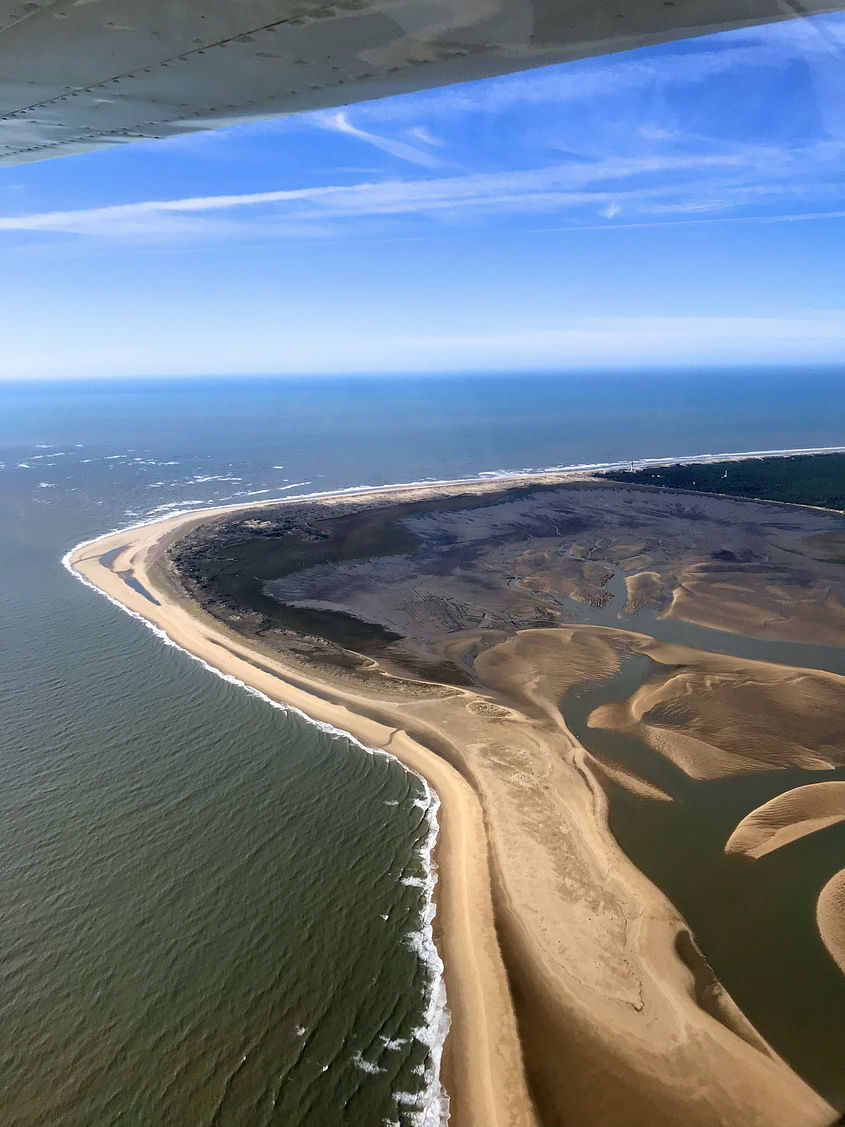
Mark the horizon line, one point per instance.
(657, 368)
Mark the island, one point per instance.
(629, 700)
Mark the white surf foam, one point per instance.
(367, 1065)
(432, 1104)
(528, 471)
(201, 479)
(167, 509)
(395, 1044)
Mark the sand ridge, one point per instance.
(787, 818)
(830, 917)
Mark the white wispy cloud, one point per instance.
(735, 176)
(609, 340)
(646, 83)
(421, 133)
(339, 122)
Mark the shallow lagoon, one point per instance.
(754, 920)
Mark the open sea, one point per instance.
(214, 913)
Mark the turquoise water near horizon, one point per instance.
(212, 908)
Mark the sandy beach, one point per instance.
(577, 994)
(483, 1070)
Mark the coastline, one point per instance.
(485, 1078)
(481, 1058)
(576, 470)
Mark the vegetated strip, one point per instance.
(801, 479)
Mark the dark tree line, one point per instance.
(803, 479)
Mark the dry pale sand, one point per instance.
(830, 917)
(570, 1002)
(788, 817)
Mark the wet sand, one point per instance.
(714, 716)
(576, 992)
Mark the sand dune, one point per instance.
(830, 917)
(787, 818)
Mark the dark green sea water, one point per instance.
(212, 911)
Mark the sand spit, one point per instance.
(573, 998)
(482, 1066)
(788, 817)
(830, 917)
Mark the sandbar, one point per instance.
(787, 818)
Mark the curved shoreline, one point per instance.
(483, 1080)
(483, 1057)
(580, 469)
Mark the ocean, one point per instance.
(214, 912)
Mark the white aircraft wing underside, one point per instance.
(77, 75)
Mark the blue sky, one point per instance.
(679, 205)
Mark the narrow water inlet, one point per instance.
(754, 920)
